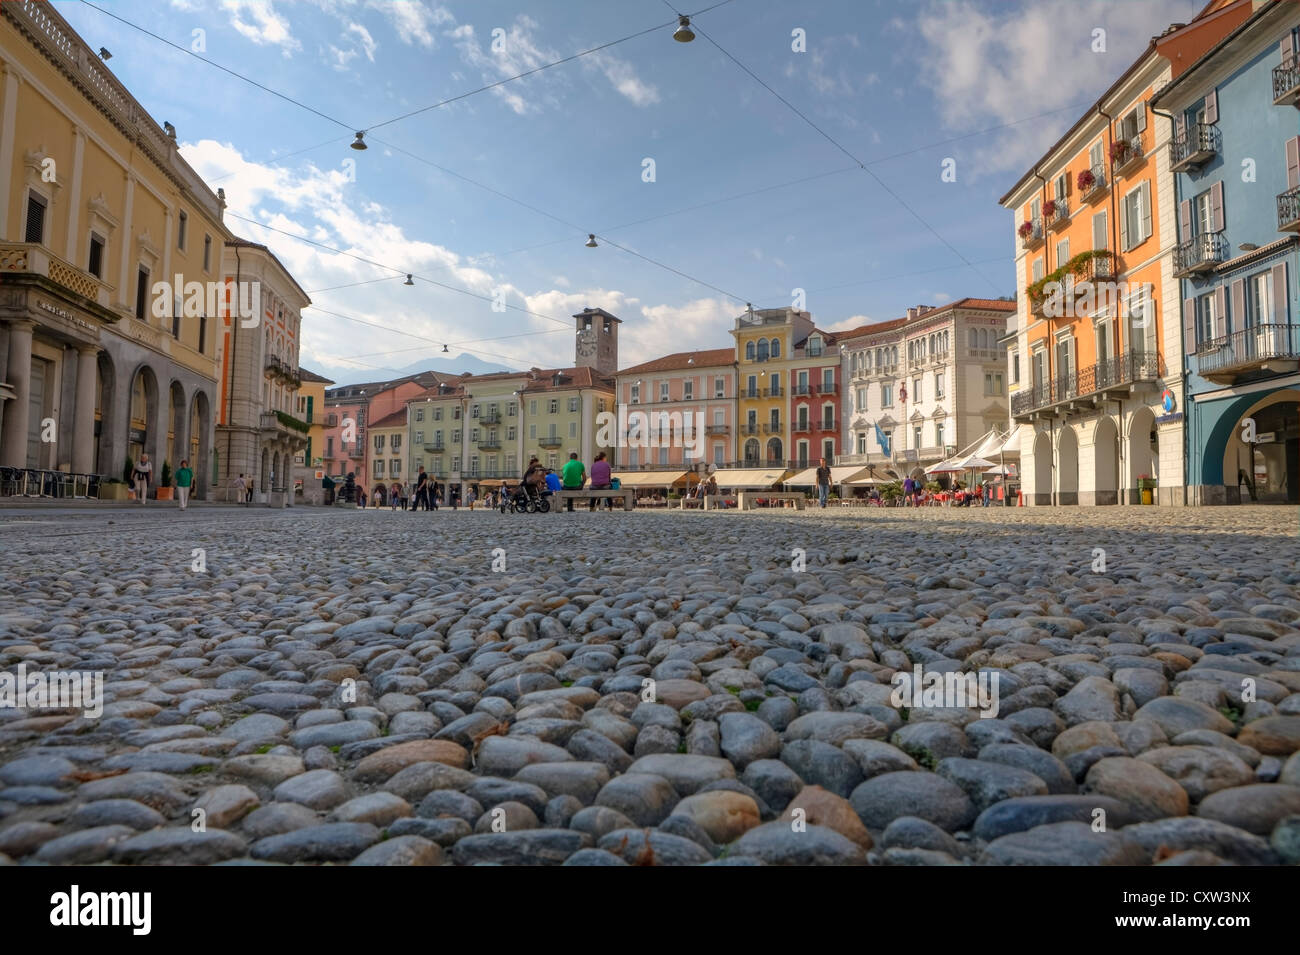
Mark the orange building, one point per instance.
(1098, 337)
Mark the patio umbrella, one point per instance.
(945, 467)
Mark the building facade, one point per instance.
(928, 384)
(1099, 338)
(258, 430)
(696, 386)
(1236, 260)
(490, 437)
(765, 341)
(433, 418)
(814, 400)
(310, 462)
(350, 408)
(105, 233)
(387, 455)
(562, 406)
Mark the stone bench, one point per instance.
(586, 494)
(746, 499)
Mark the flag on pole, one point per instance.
(881, 439)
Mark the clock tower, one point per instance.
(597, 340)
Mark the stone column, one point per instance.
(83, 421)
(13, 442)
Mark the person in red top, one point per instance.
(600, 479)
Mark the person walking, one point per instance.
(573, 475)
(241, 488)
(421, 490)
(823, 482)
(184, 481)
(394, 496)
(141, 477)
(601, 478)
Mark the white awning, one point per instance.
(1012, 444)
(839, 475)
(744, 478)
(990, 444)
(648, 478)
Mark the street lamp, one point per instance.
(409, 280)
(591, 240)
(683, 33)
(360, 141)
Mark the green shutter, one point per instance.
(310, 401)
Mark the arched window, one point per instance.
(776, 348)
(751, 451)
(749, 351)
(762, 349)
(945, 343)
(974, 339)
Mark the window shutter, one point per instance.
(1185, 220)
(1293, 162)
(1189, 325)
(35, 232)
(1212, 106)
(1141, 116)
(1216, 206)
(1180, 128)
(1280, 299)
(1220, 312)
(1239, 304)
(1146, 210)
(1123, 225)
(1286, 50)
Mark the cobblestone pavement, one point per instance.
(315, 686)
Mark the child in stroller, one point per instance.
(525, 498)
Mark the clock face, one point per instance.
(586, 347)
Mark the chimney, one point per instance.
(912, 312)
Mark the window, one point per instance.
(1203, 222)
(419, 437)
(419, 414)
(634, 399)
(1142, 327)
(473, 411)
(395, 467)
(455, 437)
(1036, 270)
(207, 253)
(1015, 367)
(455, 463)
(752, 391)
(329, 447)
(938, 433)
(1259, 300)
(573, 429)
(862, 442)
(511, 433)
(473, 434)
(573, 404)
(861, 399)
(719, 387)
(1205, 319)
(916, 437)
(553, 406)
(814, 345)
(1062, 252)
(886, 396)
(688, 390)
(379, 443)
(1061, 186)
(749, 351)
(473, 465)
(396, 442)
(762, 349)
(828, 417)
(455, 413)
(828, 380)
(183, 221)
(774, 382)
(379, 469)
(1100, 234)
(1133, 122)
(663, 391)
(96, 265)
(437, 414)
(141, 291)
(36, 219)
(992, 383)
(776, 348)
(938, 385)
(1135, 217)
(532, 403)
(532, 432)
(512, 409)
(916, 389)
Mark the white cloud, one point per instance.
(518, 53)
(264, 26)
(622, 76)
(368, 44)
(414, 21)
(1000, 65)
(845, 324)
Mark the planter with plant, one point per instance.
(1026, 229)
(1086, 180)
(112, 490)
(1049, 208)
(165, 490)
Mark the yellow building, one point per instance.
(488, 438)
(387, 454)
(311, 409)
(110, 258)
(433, 421)
(561, 409)
(765, 353)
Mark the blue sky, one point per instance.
(901, 86)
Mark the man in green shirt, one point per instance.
(184, 481)
(572, 475)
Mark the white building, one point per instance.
(928, 384)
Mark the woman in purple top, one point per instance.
(600, 479)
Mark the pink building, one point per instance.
(353, 407)
(681, 411)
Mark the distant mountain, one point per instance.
(343, 374)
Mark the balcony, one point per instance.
(489, 443)
(1127, 155)
(283, 424)
(37, 260)
(331, 421)
(550, 441)
(434, 448)
(1260, 348)
(1288, 211)
(1286, 83)
(718, 429)
(801, 427)
(1098, 187)
(1059, 217)
(775, 392)
(1199, 144)
(1202, 253)
(801, 389)
(491, 417)
(1031, 233)
(749, 429)
(773, 428)
(826, 425)
(1088, 386)
(826, 389)
(752, 393)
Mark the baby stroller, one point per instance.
(525, 498)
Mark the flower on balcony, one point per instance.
(1026, 229)
(1086, 180)
(1049, 208)
(1119, 150)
